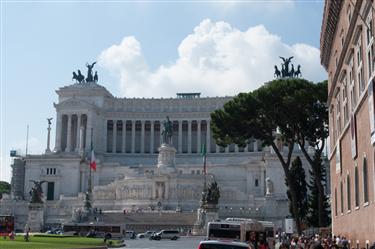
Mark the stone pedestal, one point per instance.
(166, 158)
(35, 219)
(205, 215)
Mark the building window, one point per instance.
(335, 202)
(365, 182)
(256, 183)
(345, 100)
(338, 116)
(348, 191)
(356, 187)
(349, 13)
(342, 38)
(342, 197)
(361, 81)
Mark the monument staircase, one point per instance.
(151, 220)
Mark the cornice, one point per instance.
(331, 17)
(75, 104)
(345, 49)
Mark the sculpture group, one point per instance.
(36, 192)
(285, 72)
(90, 77)
(212, 195)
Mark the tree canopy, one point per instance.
(4, 188)
(284, 105)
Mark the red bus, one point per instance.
(6, 224)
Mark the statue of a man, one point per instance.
(269, 186)
(167, 131)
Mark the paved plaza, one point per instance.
(182, 243)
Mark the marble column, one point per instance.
(142, 136)
(69, 135)
(152, 136)
(81, 130)
(133, 136)
(180, 136)
(114, 139)
(123, 149)
(78, 132)
(105, 136)
(89, 130)
(58, 132)
(208, 136)
(199, 136)
(189, 136)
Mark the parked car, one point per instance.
(130, 235)
(215, 244)
(166, 234)
(146, 234)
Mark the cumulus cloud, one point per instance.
(216, 59)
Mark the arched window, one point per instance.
(365, 182)
(356, 187)
(342, 197)
(348, 191)
(335, 202)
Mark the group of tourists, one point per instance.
(315, 242)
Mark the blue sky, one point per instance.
(168, 45)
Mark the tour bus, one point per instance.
(6, 225)
(239, 229)
(95, 230)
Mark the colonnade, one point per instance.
(72, 132)
(144, 136)
(139, 136)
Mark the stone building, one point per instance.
(347, 53)
(125, 134)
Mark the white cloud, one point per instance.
(216, 60)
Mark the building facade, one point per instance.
(126, 136)
(347, 53)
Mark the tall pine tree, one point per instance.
(299, 181)
(313, 202)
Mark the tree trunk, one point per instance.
(318, 183)
(293, 196)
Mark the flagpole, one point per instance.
(205, 173)
(90, 184)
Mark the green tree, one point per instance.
(299, 179)
(314, 131)
(313, 202)
(4, 188)
(278, 105)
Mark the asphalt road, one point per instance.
(181, 243)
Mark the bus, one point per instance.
(243, 230)
(6, 224)
(94, 229)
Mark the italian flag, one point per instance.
(92, 161)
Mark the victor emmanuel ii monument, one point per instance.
(148, 156)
